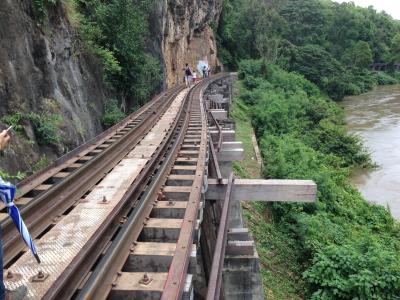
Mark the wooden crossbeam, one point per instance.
(219, 114)
(228, 135)
(272, 190)
(231, 145)
(230, 154)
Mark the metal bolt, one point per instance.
(170, 202)
(40, 274)
(104, 199)
(145, 279)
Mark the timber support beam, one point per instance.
(264, 190)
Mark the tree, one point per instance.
(358, 56)
(307, 21)
(116, 30)
(396, 48)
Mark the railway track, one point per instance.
(46, 196)
(118, 217)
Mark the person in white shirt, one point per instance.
(194, 76)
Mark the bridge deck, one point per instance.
(61, 245)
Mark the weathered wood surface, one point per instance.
(228, 135)
(230, 155)
(219, 114)
(265, 190)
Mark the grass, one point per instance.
(278, 258)
(248, 168)
(74, 17)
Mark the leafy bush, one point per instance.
(7, 177)
(14, 120)
(40, 7)
(383, 78)
(112, 113)
(45, 125)
(115, 31)
(355, 272)
(42, 163)
(302, 136)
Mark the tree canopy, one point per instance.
(345, 37)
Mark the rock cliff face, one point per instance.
(184, 34)
(42, 69)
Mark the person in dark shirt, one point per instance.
(188, 75)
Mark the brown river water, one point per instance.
(375, 117)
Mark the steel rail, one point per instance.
(219, 128)
(215, 279)
(67, 283)
(99, 283)
(174, 284)
(29, 183)
(55, 201)
(214, 161)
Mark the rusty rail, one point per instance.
(28, 183)
(38, 214)
(219, 128)
(92, 274)
(214, 161)
(100, 281)
(215, 280)
(178, 269)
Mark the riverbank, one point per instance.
(341, 246)
(278, 258)
(375, 118)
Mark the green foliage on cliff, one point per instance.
(40, 7)
(112, 113)
(116, 31)
(331, 44)
(13, 178)
(45, 125)
(347, 248)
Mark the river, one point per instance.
(375, 117)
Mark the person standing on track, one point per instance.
(205, 72)
(21, 291)
(188, 75)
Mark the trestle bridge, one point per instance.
(149, 209)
